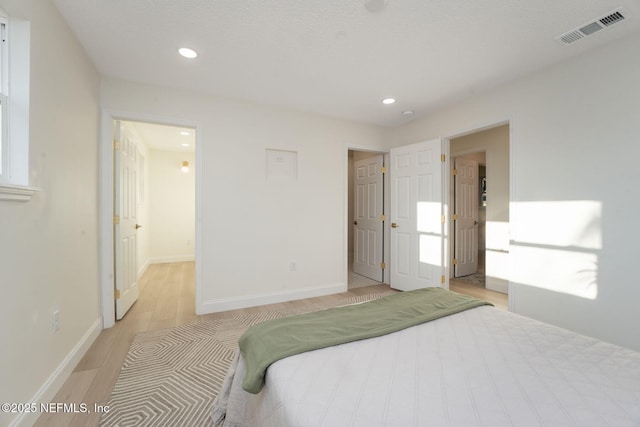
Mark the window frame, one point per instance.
(15, 87)
(4, 98)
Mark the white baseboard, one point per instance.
(234, 303)
(171, 258)
(497, 285)
(143, 269)
(54, 383)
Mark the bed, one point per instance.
(477, 367)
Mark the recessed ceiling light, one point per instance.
(184, 144)
(184, 132)
(187, 53)
(388, 101)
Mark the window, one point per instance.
(14, 108)
(4, 58)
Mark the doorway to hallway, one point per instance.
(479, 197)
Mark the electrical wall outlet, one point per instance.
(293, 266)
(55, 320)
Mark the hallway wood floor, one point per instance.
(167, 295)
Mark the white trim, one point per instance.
(56, 380)
(512, 193)
(445, 148)
(4, 101)
(105, 212)
(511, 288)
(143, 268)
(106, 203)
(234, 303)
(16, 193)
(450, 195)
(171, 258)
(18, 97)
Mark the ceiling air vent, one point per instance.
(611, 19)
(592, 27)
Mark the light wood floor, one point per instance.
(166, 300)
(499, 300)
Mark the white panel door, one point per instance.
(368, 224)
(466, 211)
(125, 225)
(417, 231)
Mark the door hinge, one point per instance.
(383, 217)
(383, 265)
(116, 219)
(441, 279)
(116, 293)
(116, 145)
(454, 217)
(443, 219)
(443, 157)
(455, 172)
(455, 261)
(383, 169)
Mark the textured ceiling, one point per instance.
(333, 56)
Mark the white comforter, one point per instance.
(481, 367)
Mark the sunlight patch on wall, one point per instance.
(497, 236)
(558, 244)
(497, 264)
(574, 223)
(567, 271)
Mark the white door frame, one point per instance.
(448, 182)
(364, 224)
(466, 209)
(348, 225)
(105, 208)
(387, 209)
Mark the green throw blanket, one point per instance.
(267, 342)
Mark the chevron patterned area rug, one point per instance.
(171, 377)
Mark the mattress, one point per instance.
(480, 367)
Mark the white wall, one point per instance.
(574, 141)
(49, 250)
(253, 228)
(172, 205)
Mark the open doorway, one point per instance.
(366, 218)
(479, 197)
(469, 222)
(153, 201)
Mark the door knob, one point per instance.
(355, 222)
(394, 225)
(138, 226)
(475, 222)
